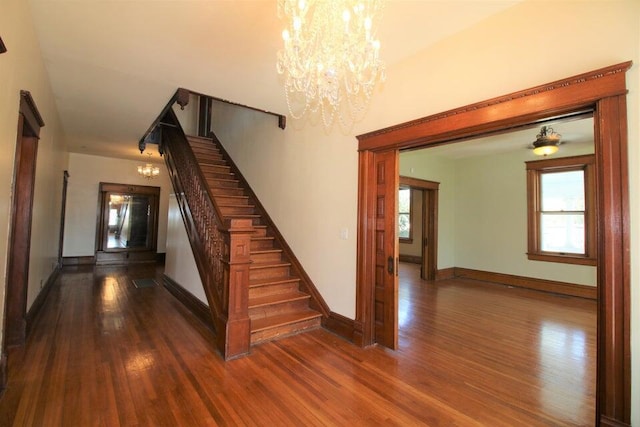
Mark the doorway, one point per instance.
(601, 91)
(127, 224)
(427, 240)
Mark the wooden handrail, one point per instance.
(181, 97)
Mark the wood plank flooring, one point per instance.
(104, 353)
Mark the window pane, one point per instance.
(562, 233)
(403, 226)
(404, 200)
(562, 191)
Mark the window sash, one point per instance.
(571, 242)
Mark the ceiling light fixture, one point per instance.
(546, 142)
(149, 171)
(331, 57)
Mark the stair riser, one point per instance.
(205, 157)
(280, 288)
(268, 257)
(229, 200)
(280, 331)
(215, 169)
(275, 309)
(214, 175)
(219, 183)
(212, 162)
(237, 210)
(260, 232)
(227, 191)
(257, 245)
(268, 273)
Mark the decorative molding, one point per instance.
(563, 288)
(36, 307)
(198, 308)
(69, 261)
(559, 84)
(32, 117)
(446, 273)
(413, 259)
(340, 325)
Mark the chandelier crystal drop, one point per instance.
(331, 57)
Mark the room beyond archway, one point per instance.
(604, 92)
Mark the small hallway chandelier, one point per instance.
(331, 57)
(148, 171)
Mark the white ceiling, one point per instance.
(114, 64)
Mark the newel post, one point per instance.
(238, 329)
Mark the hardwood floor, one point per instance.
(105, 353)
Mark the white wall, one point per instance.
(310, 200)
(316, 193)
(22, 68)
(86, 172)
(180, 264)
(491, 220)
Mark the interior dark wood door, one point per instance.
(386, 248)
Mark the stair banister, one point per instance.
(221, 249)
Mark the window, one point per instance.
(561, 210)
(405, 219)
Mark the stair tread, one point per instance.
(223, 179)
(262, 238)
(266, 251)
(243, 215)
(279, 298)
(257, 265)
(273, 281)
(232, 197)
(235, 205)
(283, 319)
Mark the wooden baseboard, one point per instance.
(610, 422)
(193, 304)
(340, 325)
(563, 288)
(36, 307)
(445, 273)
(78, 260)
(410, 258)
(3, 373)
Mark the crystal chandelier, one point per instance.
(330, 58)
(149, 171)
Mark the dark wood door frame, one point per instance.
(430, 223)
(602, 91)
(29, 124)
(63, 208)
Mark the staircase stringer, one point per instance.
(317, 302)
(215, 243)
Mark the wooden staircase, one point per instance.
(277, 305)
